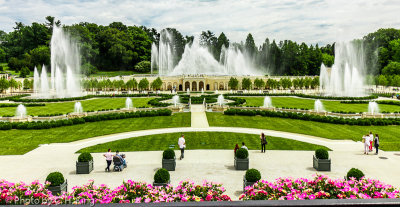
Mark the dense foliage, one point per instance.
(55, 178)
(252, 175)
(169, 154)
(242, 153)
(161, 176)
(354, 173)
(321, 154)
(74, 121)
(129, 192)
(320, 187)
(85, 157)
(317, 118)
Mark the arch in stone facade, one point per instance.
(194, 86)
(221, 86)
(187, 85)
(201, 85)
(169, 86)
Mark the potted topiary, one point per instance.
(57, 183)
(169, 160)
(161, 177)
(84, 165)
(321, 161)
(252, 176)
(242, 159)
(354, 173)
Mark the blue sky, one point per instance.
(310, 21)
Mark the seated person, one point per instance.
(122, 157)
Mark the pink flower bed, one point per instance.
(128, 192)
(320, 187)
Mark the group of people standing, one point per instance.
(369, 140)
(263, 140)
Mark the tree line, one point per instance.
(117, 46)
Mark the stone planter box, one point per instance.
(241, 164)
(246, 183)
(161, 184)
(322, 164)
(84, 167)
(169, 164)
(57, 190)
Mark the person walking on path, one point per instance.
(366, 139)
(109, 157)
(371, 138)
(376, 143)
(182, 145)
(244, 146)
(263, 142)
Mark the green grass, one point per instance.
(88, 105)
(290, 102)
(201, 140)
(22, 141)
(389, 135)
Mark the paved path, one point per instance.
(213, 165)
(198, 115)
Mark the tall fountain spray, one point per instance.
(220, 100)
(78, 108)
(202, 90)
(347, 75)
(36, 84)
(187, 91)
(373, 107)
(267, 102)
(197, 59)
(318, 107)
(20, 111)
(65, 68)
(175, 100)
(128, 103)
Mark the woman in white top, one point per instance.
(366, 143)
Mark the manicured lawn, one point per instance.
(87, 105)
(23, 141)
(201, 140)
(389, 135)
(291, 102)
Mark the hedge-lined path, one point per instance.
(199, 116)
(213, 165)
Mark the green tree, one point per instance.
(4, 84)
(382, 80)
(246, 83)
(143, 84)
(88, 69)
(40, 56)
(156, 84)
(259, 83)
(131, 84)
(143, 67)
(250, 45)
(24, 72)
(13, 84)
(2, 55)
(315, 83)
(233, 83)
(396, 81)
(328, 59)
(393, 68)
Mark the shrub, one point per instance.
(321, 154)
(168, 154)
(161, 176)
(55, 179)
(242, 153)
(355, 173)
(252, 175)
(85, 157)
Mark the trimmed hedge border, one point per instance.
(75, 121)
(396, 103)
(16, 104)
(20, 99)
(303, 96)
(11, 97)
(317, 118)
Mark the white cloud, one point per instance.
(311, 21)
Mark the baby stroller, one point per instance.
(118, 163)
